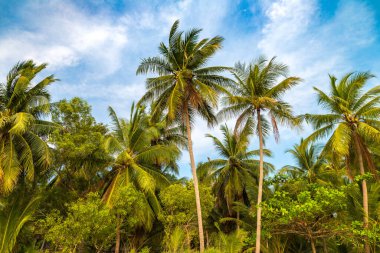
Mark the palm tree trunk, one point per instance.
(261, 179)
(325, 250)
(365, 192)
(314, 250)
(117, 246)
(195, 180)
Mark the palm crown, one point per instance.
(136, 157)
(184, 82)
(257, 87)
(234, 174)
(22, 107)
(352, 115)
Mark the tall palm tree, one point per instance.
(351, 123)
(23, 106)
(185, 87)
(136, 159)
(257, 93)
(234, 174)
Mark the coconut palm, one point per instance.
(351, 123)
(185, 87)
(23, 106)
(167, 134)
(257, 93)
(136, 159)
(234, 174)
(13, 216)
(310, 164)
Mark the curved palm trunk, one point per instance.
(365, 193)
(195, 180)
(314, 250)
(261, 179)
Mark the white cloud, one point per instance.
(313, 49)
(65, 36)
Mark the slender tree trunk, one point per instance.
(188, 239)
(325, 246)
(261, 179)
(195, 180)
(365, 193)
(241, 199)
(117, 246)
(207, 239)
(313, 246)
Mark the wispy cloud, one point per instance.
(64, 36)
(313, 48)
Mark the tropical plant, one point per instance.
(351, 123)
(89, 224)
(257, 91)
(13, 217)
(80, 160)
(167, 134)
(23, 106)
(185, 87)
(136, 159)
(234, 172)
(311, 213)
(310, 165)
(179, 211)
(230, 243)
(129, 208)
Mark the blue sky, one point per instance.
(94, 47)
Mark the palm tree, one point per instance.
(167, 134)
(13, 216)
(22, 108)
(234, 174)
(351, 123)
(136, 159)
(258, 91)
(185, 87)
(310, 164)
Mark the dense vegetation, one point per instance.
(71, 184)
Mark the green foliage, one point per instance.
(129, 207)
(88, 223)
(313, 213)
(13, 217)
(354, 234)
(136, 158)
(230, 243)
(234, 174)
(175, 241)
(23, 153)
(79, 145)
(179, 205)
(179, 215)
